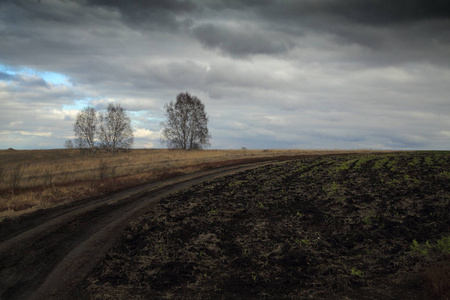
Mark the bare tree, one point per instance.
(84, 128)
(68, 144)
(115, 130)
(186, 126)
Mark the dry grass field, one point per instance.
(37, 179)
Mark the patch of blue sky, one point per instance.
(50, 77)
(142, 117)
(78, 104)
(138, 114)
(55, 78)
(6, 69)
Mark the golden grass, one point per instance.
(36, 179)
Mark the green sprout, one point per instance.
(417, 248)
(443, 245)
(367, 220)
(356, 272)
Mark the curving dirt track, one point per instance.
(47, 255)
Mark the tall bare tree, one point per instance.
(84, 128)
(114, 131)
(186, 126)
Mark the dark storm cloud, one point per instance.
(388, 12)
(135, 7)
(52, 13)
(352, 19)
(288, 73)
(373, 12)
(377, 25)
(240, 41)
(153, 13)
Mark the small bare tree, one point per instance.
(186, 126)
(84, 128)
(68, 144)
(115, 130)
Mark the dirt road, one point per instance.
(46, 256)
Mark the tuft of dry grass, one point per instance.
(38, 179)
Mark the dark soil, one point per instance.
(47, 254)
(361, 227)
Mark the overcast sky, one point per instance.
(309, 74)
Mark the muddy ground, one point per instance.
(47, 254)
(362, 227)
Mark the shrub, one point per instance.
(443, 245)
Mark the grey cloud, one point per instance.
(31, 81)
(233, 4)
(150, 13)
(136, 7)
(5, 76)
(389, 12)
(332, 74)
(54, 35)
(26, 123)
(138, 14)
(398, 30)
(240, 42)
(182, 74)
(53, 13)
(22, 81)
(372, 12)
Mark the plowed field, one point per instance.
(358, 226)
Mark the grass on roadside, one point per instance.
(37, 179)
